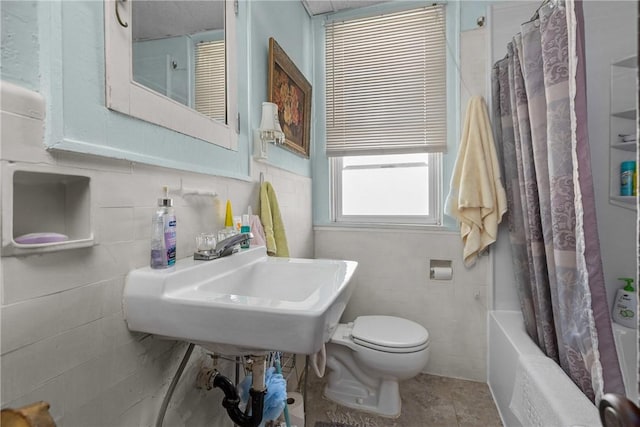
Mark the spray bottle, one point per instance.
(624, 308)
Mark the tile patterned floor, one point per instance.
(427, 400)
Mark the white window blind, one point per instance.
(210, 86)
(386, 83)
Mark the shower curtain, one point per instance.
(539, 109)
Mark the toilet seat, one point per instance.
(389, 334)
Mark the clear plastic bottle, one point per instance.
(158, 252)
(163, 234)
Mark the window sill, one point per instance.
(368, 227)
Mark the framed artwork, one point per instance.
(291, 92)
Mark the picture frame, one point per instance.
(291, 92)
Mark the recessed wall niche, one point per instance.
(40, 199)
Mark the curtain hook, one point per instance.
(120, 21)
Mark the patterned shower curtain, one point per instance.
(539, 106)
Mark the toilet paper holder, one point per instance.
(440, 269)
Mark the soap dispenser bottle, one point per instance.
(163, 234)
(624, 308)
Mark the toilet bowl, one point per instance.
(366, 359)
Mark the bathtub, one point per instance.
(510, 348)
(626, 340)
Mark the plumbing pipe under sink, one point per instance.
(210, 378)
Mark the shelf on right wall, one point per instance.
(622, 121)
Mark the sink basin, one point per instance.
(245, 303)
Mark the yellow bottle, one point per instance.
(228, 219)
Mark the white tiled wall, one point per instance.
(393, 279)
(64, 337)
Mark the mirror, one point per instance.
(178, 50)
(152, 69)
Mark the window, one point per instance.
(386, 115)
(210, 94)
(396, 188)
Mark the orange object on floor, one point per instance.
(34, 415)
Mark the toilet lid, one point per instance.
(388, 331)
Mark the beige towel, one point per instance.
(272, 222)
(476, 199)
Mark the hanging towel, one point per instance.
(477, 198)
(275, 235)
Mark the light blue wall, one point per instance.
(289, 24)
(19, 61)
(321, 176)
(470, 11)
(57, 48)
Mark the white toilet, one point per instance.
(368, 357)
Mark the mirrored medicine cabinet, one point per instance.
(173, 63)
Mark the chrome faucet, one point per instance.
(224, 248)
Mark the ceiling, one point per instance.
(156, 19)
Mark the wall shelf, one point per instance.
(626, 200)
(629, 62)
(626, 146)
(629, 114)
(622, 121)
(45, 199)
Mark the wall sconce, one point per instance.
(269, 131)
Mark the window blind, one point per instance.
(386, 83)
(210, 86)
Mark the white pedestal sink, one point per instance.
(242, 304)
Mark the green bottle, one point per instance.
(624, 308)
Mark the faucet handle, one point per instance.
(205, 242)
